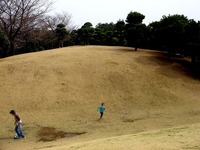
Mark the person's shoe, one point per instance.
(16, 137)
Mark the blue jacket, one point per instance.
(101, 109)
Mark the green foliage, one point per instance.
(154, 36)
(4, 43)
(192, 30)
(85, 33)
(134, 18)
(115, 41)
(33, 44)
(87, 25)
(172, 33)
(105, 27)
(120, 32)
(61, 33)
(104, 33)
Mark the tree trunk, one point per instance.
(60, 44)
(136, 48)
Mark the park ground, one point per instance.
(152, 101)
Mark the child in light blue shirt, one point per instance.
(101, 109)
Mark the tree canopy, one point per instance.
(135, 18)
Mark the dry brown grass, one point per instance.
(183, 137)
(61, 89)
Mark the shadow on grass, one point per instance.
(47, 134)
(127, 49)
(121, 49)
(169, 67)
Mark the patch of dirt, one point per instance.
(47, 134)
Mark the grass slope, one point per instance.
(61, 89)
(184, 137)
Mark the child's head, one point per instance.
(102, 103)
(12, 112)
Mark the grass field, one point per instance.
(152, 102)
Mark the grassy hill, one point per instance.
(57, 92)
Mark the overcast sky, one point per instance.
(106, 11)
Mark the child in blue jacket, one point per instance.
(101, 109)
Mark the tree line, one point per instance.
(26, 27)
(175, 34)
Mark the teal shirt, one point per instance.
(101, 109)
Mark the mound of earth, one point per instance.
(61, 89)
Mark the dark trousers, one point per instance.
(101, 114)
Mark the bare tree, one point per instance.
(17, 17)
(60, 18)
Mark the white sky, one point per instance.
(106, 11)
